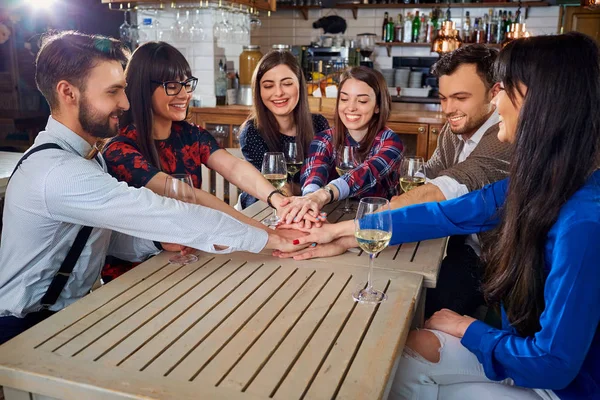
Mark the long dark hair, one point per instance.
(375, 80)
(152, 61)
(265, 121)
(557, 148)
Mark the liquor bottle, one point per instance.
(492, 27)
(430, 30)
(389, 30)
(221, 85)
(509, 21)
(435, 20)
(416, 28)
(399, 29)
(384, 26)
(408, 28)
(423, 31)
(467, 33)
(504, 25)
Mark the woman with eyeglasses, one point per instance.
(156, 141)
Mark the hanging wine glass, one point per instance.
(125, 29)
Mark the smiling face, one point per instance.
(509, 112)
(279, 90)
(170, 108)
(103, 100)
(357, 105)
(465, 100)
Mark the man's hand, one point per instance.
(298, 208)
(184, 250)
(337, 247)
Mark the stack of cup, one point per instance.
(388, 75)
(415, 80)
(401, 77)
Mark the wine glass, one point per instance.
(181, 187)
(345, 162)
(373, 231)
(274, 170)
(412, 173)
(125, 29)
(293, 160)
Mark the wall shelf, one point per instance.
(356, 7)
(302, 9)
(389, 45)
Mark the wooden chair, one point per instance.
(214, 183)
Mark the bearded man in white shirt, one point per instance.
(468, 156)
(61, 190)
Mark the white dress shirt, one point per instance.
(450, 187)
(55, 192)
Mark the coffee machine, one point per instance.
(366, 45)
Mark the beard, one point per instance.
(96, 124)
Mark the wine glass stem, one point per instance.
(370, 275)
(347, 203)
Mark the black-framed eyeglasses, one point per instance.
(172, 88)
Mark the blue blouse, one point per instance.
(564, 355)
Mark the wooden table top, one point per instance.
(8, 161)
(237, 326)
(423, 258)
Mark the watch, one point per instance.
(330, 191)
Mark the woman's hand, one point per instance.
(450, 322)
(337, 247)
(324, 234)
(278, 242)
(298, 208)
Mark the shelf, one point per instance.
(526, 5)
(267, 5)
(302, 9)
(389, 45)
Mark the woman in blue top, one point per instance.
(544, 268)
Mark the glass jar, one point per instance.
(248, 61)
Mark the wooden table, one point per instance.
(423, 258)
(238, 326)
(8, 161)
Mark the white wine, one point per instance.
(277, 180)
(373, 241)
(410, 182)
(342, 171)
(293, 168)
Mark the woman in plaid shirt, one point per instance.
(363, 108)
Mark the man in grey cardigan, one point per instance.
(468, 156)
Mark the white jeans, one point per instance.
(457, 376)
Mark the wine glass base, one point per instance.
(370, 296)
(183, 260)
(347, 210)
(272, 221)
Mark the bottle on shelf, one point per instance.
(399, 29)
(504, 25)
(384, 26)
(408, 28)
(416, 28)
(492, 28)
(423, 31)
(509, 21)
(430, 30)
(389, 30)
(467, 32)
(221, 85)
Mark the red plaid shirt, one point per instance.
(376, 176)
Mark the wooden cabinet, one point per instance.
(582, 20)
(419, 129)
(414, 137)
(432, 139)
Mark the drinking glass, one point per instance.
(293, 160)
(373, 231)
(274, 170)
(345, 162)
(412, 173)
(197, 30)
(181, 187)
(125, 29)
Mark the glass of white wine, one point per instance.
(373, 231)
(181, 187)
(293, 160)
(275, 171)
(412, 173)
(345, 162)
